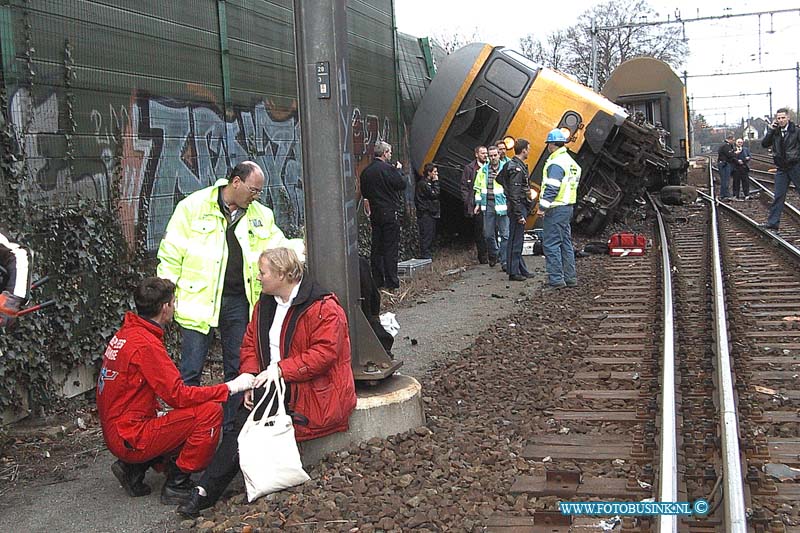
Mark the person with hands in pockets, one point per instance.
(298, 332)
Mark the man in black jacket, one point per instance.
(726, 160)
(382, 186)
(518, 198)
(15, 279)
(784, 139)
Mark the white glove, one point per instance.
(241, 383)
(272, 373)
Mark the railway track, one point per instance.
(733, 427)
(764, 307)
(762, 187)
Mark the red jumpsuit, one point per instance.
(137, 371)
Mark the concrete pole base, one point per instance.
(392, 407)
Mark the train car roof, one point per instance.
(643, 79)
(451, 82)
(642, 75)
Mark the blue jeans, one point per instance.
(495, 228)
(234, 315)
(515, 265)
(782, 178)
(725, 171)
(559, 254)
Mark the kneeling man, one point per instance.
(136, 372)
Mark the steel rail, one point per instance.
(733, 482)
(668, 478)
(786, 245)
(786, 205)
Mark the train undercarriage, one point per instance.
(633, 160)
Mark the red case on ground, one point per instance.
(624, 244)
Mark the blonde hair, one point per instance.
(283, 262)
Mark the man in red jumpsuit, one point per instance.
(136, 372)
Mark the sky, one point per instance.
(715, 46)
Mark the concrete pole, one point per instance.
(328, 175)
(593, 31)
(797, 89)
(770, 103)
(690, 126)
(747, 137)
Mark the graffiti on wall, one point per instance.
(168, 149)
(366, 130)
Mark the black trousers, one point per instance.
(740, 181)
(385, 247)
(371, 304)
(427, 231)
(480, 240)
(225, 464)
(515, 265)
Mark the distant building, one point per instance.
(750, 133)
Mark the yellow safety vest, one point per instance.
(194, 254)
(567, 186)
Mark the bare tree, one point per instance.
(455, 40)
(532, 48)
(551, 53)
(614, 46)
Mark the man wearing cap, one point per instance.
(560, 179)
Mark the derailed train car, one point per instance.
(652, 93)
(483, 93)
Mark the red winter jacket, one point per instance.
(136, 371)
(315, 358)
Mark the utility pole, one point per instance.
(745, 134)
(595, 29)
(770, 103)
(594, 54)
(689, 118)
(320, 30)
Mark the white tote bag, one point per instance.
(268, 453)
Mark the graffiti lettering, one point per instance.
(169, 149)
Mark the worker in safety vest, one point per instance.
(210, 251)
(560, 179)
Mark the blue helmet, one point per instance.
(556, 136)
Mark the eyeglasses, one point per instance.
(253, 190)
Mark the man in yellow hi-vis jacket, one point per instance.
(560, 178)
(210, 251)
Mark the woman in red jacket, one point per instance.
(298, 331)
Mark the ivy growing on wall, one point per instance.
(92, 270)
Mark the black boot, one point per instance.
(131, 477)
(178, 487)
(196, 503)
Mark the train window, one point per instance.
(506, 77)
(484, 120)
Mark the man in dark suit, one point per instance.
(382, 186)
